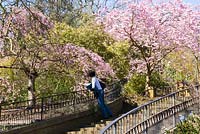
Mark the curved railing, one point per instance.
(20, 113)
(141, 118)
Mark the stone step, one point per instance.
(73, 132)
(93, 128)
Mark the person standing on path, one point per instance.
(96, 87)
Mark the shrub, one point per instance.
(156, 81)
(136, 84)
(189, 126)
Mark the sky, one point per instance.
(193, 2)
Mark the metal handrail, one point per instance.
(17, 114)
(77, 93)
(141, 114)
(152, 120)
(54, 95)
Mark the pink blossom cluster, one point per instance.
(28, 20)
(7, 89)
(137, 65)
(85, 60)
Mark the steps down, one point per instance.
(93, 128)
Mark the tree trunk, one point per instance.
(197, 70)
(148, 87)
(31, 90)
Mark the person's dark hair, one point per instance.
(91, 73)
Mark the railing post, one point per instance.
(74, 102)
(197, 90)
(174, 113)
(115, 128)
(42, 110)
(198, 98)
(146, 129)
(147, 116)
(0, 111)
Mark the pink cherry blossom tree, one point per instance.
(152, 30)
(22, 35)
(24, 38)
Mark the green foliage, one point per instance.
(72, 12)
(3, 71)
(156, 81)
(180, 65)
(189, 126)
(59, 10)
(13, 85)
(136, 85)
(90, 36)
(12, 82)
(119, 61)
(51, 83)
